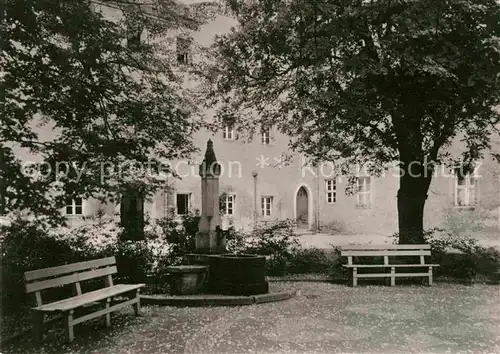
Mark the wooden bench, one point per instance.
(388, 270)
(74, 274)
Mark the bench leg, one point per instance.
(37, 318)
(354, 277)
(69, 325)
(430, 276)
(108, 315)
(137, 305)
(393, 276)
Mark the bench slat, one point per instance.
(68, 268)
(375, 275)
(388, 275)
(388, 266)
(93, 296)
(393, 253)
(69, 279)
(387, 247)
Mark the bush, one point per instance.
(236, 242)
(308, 261)
(336, 270)
(461, 257)
(25, 246)
(178, 234)
(276, 240)
(133, 260)
(32, 244)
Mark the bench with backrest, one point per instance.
(74, 274)
(390, 254)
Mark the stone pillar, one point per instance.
(210, 239)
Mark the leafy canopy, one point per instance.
(68, 68)
(378, 81)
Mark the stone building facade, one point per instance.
(255, 187)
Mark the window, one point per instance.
(228, 133)
(183, 203)
(134, 38)
(267, 206)
(465, 188)
(74, 206)
(266, 137)
(230, 204)
(331, 191)
(183, 50)
(364, 192)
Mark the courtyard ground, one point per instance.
(322, 318)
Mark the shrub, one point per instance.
(336, 271)
(32, 244)
(236, 242)
(276, 240)
(96, 238)
(179, 234)
(309, 260)
(133, 260)
(461, 256)
(26, 246)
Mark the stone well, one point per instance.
(237, 274)
(186, 279)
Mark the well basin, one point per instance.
(186, 279)
(237, 274)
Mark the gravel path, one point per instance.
(324, 318)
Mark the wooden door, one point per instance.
(302, 208)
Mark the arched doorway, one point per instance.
(302, 205)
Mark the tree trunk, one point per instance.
(413, 187)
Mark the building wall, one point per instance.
(343, 216)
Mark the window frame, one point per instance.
(184, 50)
(365, 195)
(134, 38)
(265, 135)
(233, 204)
(331, 193)
(266, 201)
(228, 132)
(466, 187)
(188, 203)
(74, 205)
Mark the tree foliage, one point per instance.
(111, 98)
(364, 81)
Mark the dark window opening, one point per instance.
(183, 49)
(74, 206)
(134, 39)
(182, 203)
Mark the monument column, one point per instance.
(209, 238)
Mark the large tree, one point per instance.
(359, 81)
(111, 98)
